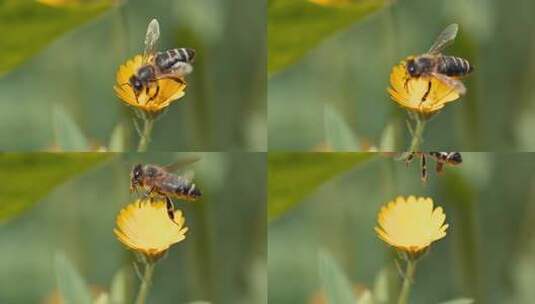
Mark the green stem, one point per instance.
(407, 281)
(145, 284)
(148, 123)
(417, 134)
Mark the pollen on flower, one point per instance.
(158, 96)
(425, 95)
(145, 227)
(411, 224)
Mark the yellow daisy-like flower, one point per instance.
(411, 224)
(425, 95)
(145, 227)
(170, 90)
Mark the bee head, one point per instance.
(413, 68)
(456, 158)
(136, 84)
(136, 177)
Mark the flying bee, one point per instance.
(157, 181)
(171, 64)
(445, 68)
(441, 159)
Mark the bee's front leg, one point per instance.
(151, 98)
(170, 207)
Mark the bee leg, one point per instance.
(426, 92)
(155, 94)
(423, 176)
(170, 207)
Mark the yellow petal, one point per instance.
(156, 99)
(410, 224)
(425, 94)
(145, 226)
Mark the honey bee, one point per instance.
(441, 159)
(170, 64)
(157, 181)
(445, 68)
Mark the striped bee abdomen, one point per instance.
(454, 66)
(187, 192)
(168, 59)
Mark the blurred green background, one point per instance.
(75, 63)
(222, 259)
(488, 253)
(343, 66)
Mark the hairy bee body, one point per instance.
(453, 66)
(427, 64)
(174, 58)
(171, 64)
(156, 180)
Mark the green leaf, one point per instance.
(292, 176)
(337, 131)
(69, 137)
(334, 282)
(119, 287)
(459, 301)
(381, 286)
(118, 139)
(388, 139)
(296, 26)
(27, 26)
(28, 177)
(71, 285)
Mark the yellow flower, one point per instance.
(415, 94)
(411, 224)
(170, 90)
(145, 227)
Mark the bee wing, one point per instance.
(181, 163)
(453, 83)
(445, 38)
(188, 175)
(151, 39)
(180, 69)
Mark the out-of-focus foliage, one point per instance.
(26, 26)
(71, 285)
(350, 71)
(68, 136)
(294, 27)
(226, 236)
(334, 282)
(486, 256)
(27, 178)
(225, 103)
(292, 176)
(337, 133)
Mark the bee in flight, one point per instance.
(172, 64)
(447, 69)
(157, 181)
(441, 159)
